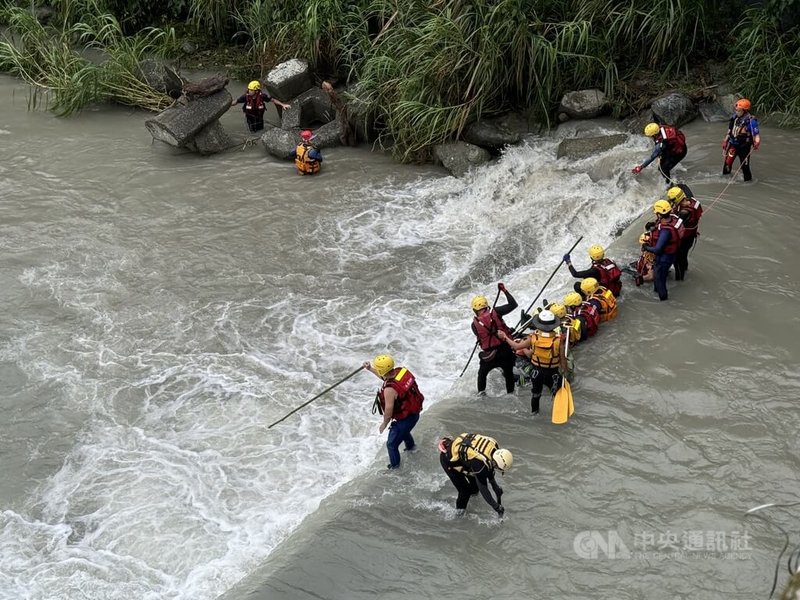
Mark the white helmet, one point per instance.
(502, 459)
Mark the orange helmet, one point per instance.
(743, 104)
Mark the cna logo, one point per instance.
(593, 544)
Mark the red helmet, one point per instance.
(306, 135)
(743, 104)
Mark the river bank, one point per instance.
(458, 63)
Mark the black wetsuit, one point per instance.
(469, 485)
(504, 358)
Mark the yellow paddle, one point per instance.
(562, 401)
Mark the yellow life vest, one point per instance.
(574, 328)
(546, 346)
(304, 163)
(469, 446)
(608, 304)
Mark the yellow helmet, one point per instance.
(651, 129)
(253, 85)
(502, 459)
(589, 285)
(558, 310)
(479, 303)
(675, 194)
(573, 299)
(662, 207)
(383, 363)
(596, 252)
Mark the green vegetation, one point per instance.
(424, 68)
(46, 58)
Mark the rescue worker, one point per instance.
(307, 158)
(545, 348)
(603, 269)
(584, 313)
(689, 210)
(742, 138)
(568, 322)
(486, 325)
(399, 401)
(254, 101)
(666, 239)
(601, 297)
(670, 149)
(470, 462)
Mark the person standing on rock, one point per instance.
(346, 134)
(670, 149)
(255, 103)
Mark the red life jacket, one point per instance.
(673, 138)
(694, 212)
(609, 275)
(590, 316)
(254, 105)
(674, 229)
(486, 327)
(409, 398)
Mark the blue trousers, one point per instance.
(399, 432)
(660, 271)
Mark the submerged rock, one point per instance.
(460, 157)
(577, 148)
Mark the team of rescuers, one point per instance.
(669, 142)
(470, 460)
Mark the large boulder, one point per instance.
(490, 134)
(327, 136)
(280, 143)
(460, 157)
(583, 104)
(289, 79)
(362, 120)
(312, 107)
(160, 77)
(713, 112)
(210, 139)
(577, 148)
(178, 124)
(674, 109)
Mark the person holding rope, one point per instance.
(689, 210)
(670, 149)
(399, 401)
(470, 461)
(486, 325)
(742, 138)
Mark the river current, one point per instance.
(160, 310)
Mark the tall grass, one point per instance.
(424, 68)
(767, 64)
(47, 60)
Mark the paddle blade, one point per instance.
(571, 405)
(561, 406)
